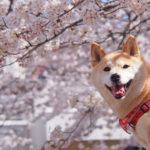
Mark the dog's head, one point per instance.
(120, 74)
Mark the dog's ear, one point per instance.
(97, 53)
(131, 47)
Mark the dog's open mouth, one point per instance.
(119, 90)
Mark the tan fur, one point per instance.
(138, 91)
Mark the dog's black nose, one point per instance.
(115, 78)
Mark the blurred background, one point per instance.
(47, 100)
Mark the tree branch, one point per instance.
(10, 7)
(44, 42)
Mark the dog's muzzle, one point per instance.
(118, 90)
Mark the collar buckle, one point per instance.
(144, 108)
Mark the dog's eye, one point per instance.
(107, 69)
(126, 66)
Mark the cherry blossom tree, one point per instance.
(45, 61)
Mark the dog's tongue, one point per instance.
(118, 91)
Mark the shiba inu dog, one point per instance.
(123, 79)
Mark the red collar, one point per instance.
(130, 121)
